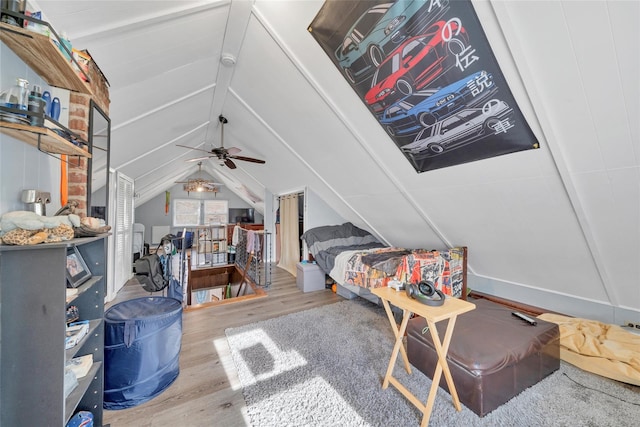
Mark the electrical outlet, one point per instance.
(631, 324)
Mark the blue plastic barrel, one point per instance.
(143, 337)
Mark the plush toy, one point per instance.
(28, 220)
(20, 236)
(29, 228)
(17, 236)
(90, 222)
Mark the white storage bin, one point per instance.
(309, 277)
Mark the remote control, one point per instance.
(527, 319)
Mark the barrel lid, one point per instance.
(143, 308)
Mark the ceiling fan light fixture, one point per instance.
(200, 187)
(224, 155)
(200, 184)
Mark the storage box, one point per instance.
(309, 277)
(493, 355)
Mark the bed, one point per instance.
(358, 262)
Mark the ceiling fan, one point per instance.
(200, 184)
(225, 155)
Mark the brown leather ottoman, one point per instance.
(493, 355)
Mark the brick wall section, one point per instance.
(79, 105)
(99, 87)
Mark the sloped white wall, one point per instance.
(318, 212)
(530, 219)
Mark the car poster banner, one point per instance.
(427, 73)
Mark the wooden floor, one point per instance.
(207, 391)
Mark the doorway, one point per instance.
(290, 210)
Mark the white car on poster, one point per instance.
(464, 127)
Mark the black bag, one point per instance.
(150, 274)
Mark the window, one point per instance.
(192, 212)
(216, 212)
(186, 212)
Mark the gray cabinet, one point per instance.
(33, 304)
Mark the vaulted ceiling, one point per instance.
(562, 219)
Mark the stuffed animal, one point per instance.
(29, 228)
(20, 236)
(28, 220)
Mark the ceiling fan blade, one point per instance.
(197, 159)
(248, 159)
(193, 148)
(211, 184)
(229, 164)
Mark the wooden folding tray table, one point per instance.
(451, 308)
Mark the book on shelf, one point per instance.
(75, 332)
(70, 381)
(80, 365)
(71, 292)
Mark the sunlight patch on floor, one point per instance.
(261, 358)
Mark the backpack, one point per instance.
(150, 274)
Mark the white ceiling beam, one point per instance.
(154, 18)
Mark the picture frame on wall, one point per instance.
(76, 268)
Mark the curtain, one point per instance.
(290, 246)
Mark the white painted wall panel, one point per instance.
(396, 220)
(164, 89)
(597, 60)
(318, 212)
(624, 16)
(143, 135)
(554, 69)
(612, 201)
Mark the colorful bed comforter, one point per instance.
(376, 267)
(354, 256)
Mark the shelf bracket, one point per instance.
(53, 154)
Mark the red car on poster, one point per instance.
(416, 63)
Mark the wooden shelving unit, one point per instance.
(42, 138)
(39, 53)
(43, 56)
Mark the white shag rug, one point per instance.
(324, 367)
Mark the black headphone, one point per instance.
(424, 292)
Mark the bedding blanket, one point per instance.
(370, 268)
(351, 255)
(597, 347)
